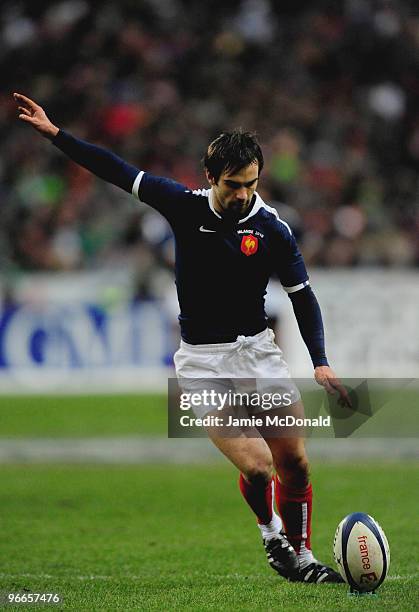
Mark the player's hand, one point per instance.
(32, 113)
(326, 377)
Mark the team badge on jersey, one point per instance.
(249, 245)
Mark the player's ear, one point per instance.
(211, 180)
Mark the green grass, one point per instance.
(177, 538)
(82, 416)
(146, 415)
(181, 538)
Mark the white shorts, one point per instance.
(251, 364)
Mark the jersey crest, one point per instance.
(249, 245)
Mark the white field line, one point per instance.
(136, 450)
(99, 577)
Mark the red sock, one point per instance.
(294, 506)
(259, 498)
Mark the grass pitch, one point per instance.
(146, 415)
(81, 416)
(181, 538)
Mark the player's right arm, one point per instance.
(101, 162)
(32, 113)
(159, 192)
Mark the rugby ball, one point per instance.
(361, 552)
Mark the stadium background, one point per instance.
(87, 302)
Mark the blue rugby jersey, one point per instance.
(222, 269)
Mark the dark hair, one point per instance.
(232, 151)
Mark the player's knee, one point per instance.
(293, 470)
(260, 474)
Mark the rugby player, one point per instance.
(228, 244)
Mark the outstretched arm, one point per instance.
(101, 162)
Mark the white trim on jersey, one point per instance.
(297, 287)
(211, 202)
(136, 184)
(261, 204)
(256, 207)
(283, 223)
(202, 192)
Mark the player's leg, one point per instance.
(197, 368)
(293, 493)
(252, 457)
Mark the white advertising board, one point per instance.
(78, 333)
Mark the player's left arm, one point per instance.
(309, 318)
(294, 278)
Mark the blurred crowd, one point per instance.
(331, 88)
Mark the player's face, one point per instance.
(233, 192)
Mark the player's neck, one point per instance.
(215, 204)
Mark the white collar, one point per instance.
(211, 203)
(259, 203)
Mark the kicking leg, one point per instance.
(251, 455)
(254, 460)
